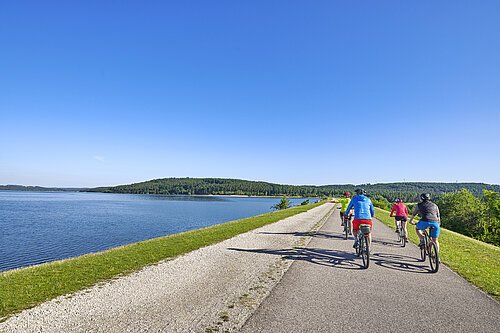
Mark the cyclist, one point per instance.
(363, 213)
(401, 214)
(344, 202)
(429, 218)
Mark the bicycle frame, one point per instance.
(347, 225)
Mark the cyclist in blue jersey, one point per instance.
(363, 213)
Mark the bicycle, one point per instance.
(347, 225)
(402, 237)
(429, 249)
(363, 247)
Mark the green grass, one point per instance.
(24, 288)
(477, 262)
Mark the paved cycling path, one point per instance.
(325, 287)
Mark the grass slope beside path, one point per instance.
(24, 288)
(477, 262)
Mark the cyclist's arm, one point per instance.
(372, 209)
(349, 207)
(393, 209)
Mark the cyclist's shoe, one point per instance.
(397, 231)
(355, 245)
(342, 224)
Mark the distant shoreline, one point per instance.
(187, 195)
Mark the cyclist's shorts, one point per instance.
(401, 218)
(357, 222)
(434, 228)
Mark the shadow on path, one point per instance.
(400, 263)
(386, 242)
(316, 234)
(344, 259)
(336, 259)
(334, 235)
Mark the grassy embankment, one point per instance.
(24, 288)
(477, 262)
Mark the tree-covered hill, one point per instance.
(36, 188)
(221, 186)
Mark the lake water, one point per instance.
(37, 227)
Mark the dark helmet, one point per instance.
(399, 200)
(360, 191)
(425, 196)
(347, 194)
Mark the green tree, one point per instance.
(381, 202)
(462, 212)
(491, 222)
(283, 204)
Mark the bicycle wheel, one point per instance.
(358, 249)
(402, 236)
(433, 257)
(346, 229)
(398, 233)
(365, 252)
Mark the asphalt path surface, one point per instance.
(327, 290)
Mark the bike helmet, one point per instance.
(360, 191)
(347, 194)
(425, 196)
(399, 200)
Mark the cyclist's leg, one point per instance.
(355, 230)
(421, 225)
(370, 234)
(341, 218)
(434, 233)
(435, 241)
(403, 224)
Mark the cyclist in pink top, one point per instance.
(401, 214)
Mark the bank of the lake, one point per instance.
(27, 287)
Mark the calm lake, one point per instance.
(37, 227)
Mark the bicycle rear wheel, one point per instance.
(398, 232)
(365, 254)
(402, 236)
(433, 257)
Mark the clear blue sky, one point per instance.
(298, 92)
